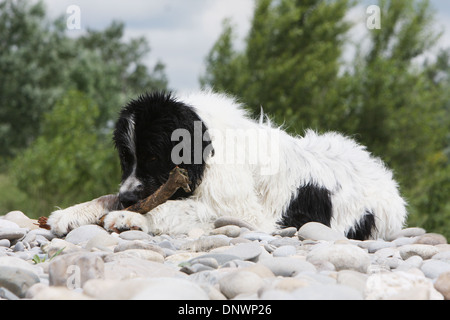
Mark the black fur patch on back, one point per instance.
(312, 204)
(364, 228)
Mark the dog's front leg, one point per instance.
(62, 221)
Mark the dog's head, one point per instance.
(155, 133)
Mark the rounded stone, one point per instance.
(431, 239)
(434, 268)
(400, 285)
(227, 220)
(84, 233)
(342, 256)
(75, 269)
(230, 231)
(134, 235)
(408, 233)
(245, 251)
(12, 233)
(318, 231)
(21, 220)
(442, 285)
(17, 280)
(240, 282)
(423, 250)
(327, 292)
(205, 244)
(284, 251)
(8, 224)
(287, 266)
(170, 289)
(286, 232)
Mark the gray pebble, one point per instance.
(286, 232)
(221, 258)
(17, 280)
(318, 231)
(327, 292)
(227, 220)
(198, 267)
(137, 244)
(12, 233)
(240, 282)
(5, 224)
(284, 251)
(342, 256)
(286, 242)
(287, 266)
(408, 232)
(245, 251)
(19, 247)
(84, 233)
(5, 243)
(259, 236)
(134, 235)
(434, 268)
(171, 289)
(62, 269)
(207, 243)
(423, 250)
(8, 295)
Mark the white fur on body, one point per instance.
(358, 183)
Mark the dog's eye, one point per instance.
(152, 158)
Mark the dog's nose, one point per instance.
(128, 199)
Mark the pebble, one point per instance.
(286, 232)
(434, 268)
(12, 233)
(229, 230)
(431, 239)
(134, 235)
(245, 251)
(84, 233)
(423, 250)
(284, 251)
(17, 280)
(240, 282)
(318, 231)
(288, 266)
(442, 285)
(400, 285)
(342, 256)
(225, 221)
(232, 261)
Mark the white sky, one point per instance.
(181, 32)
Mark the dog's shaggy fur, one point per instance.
(242, 168)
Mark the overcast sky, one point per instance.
(181, 32)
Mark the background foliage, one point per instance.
(59, 95)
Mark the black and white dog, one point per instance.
(239, 167)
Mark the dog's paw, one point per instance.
(62, 221)
(120, 221)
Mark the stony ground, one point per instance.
(234, 261)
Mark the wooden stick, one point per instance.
(178, 178)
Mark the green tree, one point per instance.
(39, 62)
(293, 67)
(69, 162)
(290, 63)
